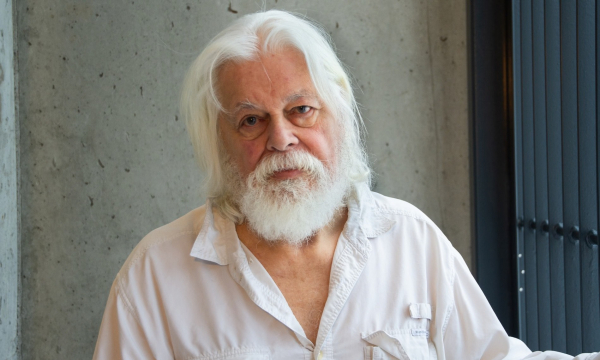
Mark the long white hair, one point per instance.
(243, 40)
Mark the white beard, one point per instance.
(290, 210)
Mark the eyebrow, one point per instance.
(302, 94)
(247, 104)
(242, 105)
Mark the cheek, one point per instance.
(327, 148)
(323, 144)
(244, 153)
(248, 154)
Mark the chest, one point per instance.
(229, 318)
(359, 302)
(306, 292)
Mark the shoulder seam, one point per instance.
(139, 253)
(122, 293)
(452, 303)
(121, 286)
(393, 211)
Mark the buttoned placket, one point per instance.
(350, 258)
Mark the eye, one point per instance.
(303, 109)
(250, 121)
(252, 126)
(303, 115)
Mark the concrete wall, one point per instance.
(9, 199)
(105, 157)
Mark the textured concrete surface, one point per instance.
(9, 201)
(105, 158)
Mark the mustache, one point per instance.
(295, 160)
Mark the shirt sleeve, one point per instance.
(553, 355)
(121, 336)
(474, 331)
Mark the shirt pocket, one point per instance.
(400, 345)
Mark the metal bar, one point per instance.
(597, 240)
(529, 176)
(568, 50)
(491, 116)
(588, 208)
(555, 195)
(541, 176)
(518, 143)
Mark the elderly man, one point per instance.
(292, 257)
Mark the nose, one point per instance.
(282, 136)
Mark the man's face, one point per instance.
(272, 107)
(281, 150)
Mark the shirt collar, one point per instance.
(212, 241)
(364, 209)
(217, 237)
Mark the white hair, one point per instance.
(244, 40)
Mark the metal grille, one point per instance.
(556, 77)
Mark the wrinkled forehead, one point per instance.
(283, 73)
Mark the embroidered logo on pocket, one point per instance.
(236, 354)
(419, 332)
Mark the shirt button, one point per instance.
(320, 355)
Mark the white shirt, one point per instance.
(398, 290)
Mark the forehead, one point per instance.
(271, 78)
